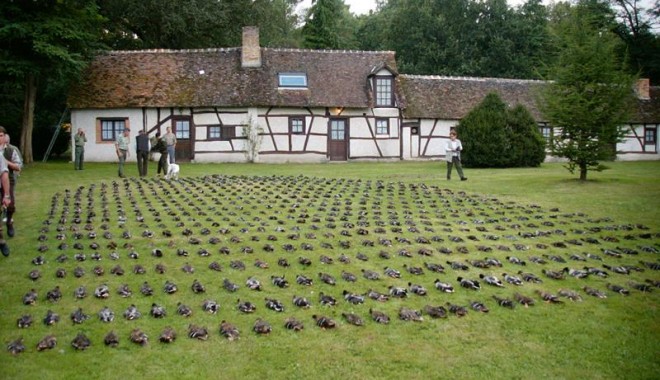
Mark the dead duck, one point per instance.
(457, 310)
(16, 347)
(30, 298)
(479, 306)
(283, 262)
(353, 319)
(261, 327)
(377, 296)
(548, 297)
(132, 313)
(47, 343)
(304, 280)
(435, 311)
(246, 307)
(379, 317)
(304, 261)
(444, 287)
(513, 280)
(347, 276)
(197, 332)
(468, 284)
(455, 265)
(24, 321)
(237, 265)
(617, 269)
(210, 306)
(111, 339)
(504, 302)
(530, 277)
(117, 270)
(515, 260)
(78, 272)
(137, 336)
(183, 310)
(157, 311)
(280, 282)
(417, 271)
(523, 300)
(124, 291)
(410, 315)
(328, 300)
(274, 305)
(81, 342)
(168, 335)
(215, 266)
(187, 268)
(618, 289)
(139, 269)
(54, 294)
(160, 268)
(491, 280)
(553, 274)
(577, 273)
(229, 286)
(596, 272)
(301, 302)
(197, 287)
(594, 292)
(294, 324)
(60, 273)
(34, 274)
(417, 289)
(570, 294)
(78, 316)
(391, 272)
(146, 289)
(51, 318)
(327, 278)
(106, 315)
(645, 288)
(324, 322)
(229, 331)
(435, 267)
(170, 287)
(398, 292)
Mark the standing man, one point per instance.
(453, 155)
(6, 200)
(14, 161)
(121, 145)
(79, 141)
(161, 148)
(170, 140)
(142, 152)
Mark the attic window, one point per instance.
(292, 80)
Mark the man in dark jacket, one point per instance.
(142, 152)
(161, 147)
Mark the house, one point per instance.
(293, 105)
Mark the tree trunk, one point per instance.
(583, 172)
(28, 118)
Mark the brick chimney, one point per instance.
(251, 52)
(642, 89)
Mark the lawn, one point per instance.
(373, 214)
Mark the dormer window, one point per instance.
(292, 80)
(384, 91)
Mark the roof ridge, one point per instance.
(330, 50)
(475, 79)
(173, 51)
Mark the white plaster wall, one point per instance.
(104, 151)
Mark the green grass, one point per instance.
(611, 338)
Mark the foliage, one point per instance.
(43, 42)
(495, 136)
(187, 24)
(329, 25)
(590, 96)
(527, 143)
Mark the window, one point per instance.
(295, 80)
(546, 132)
(650, 136)
(297, 125)
(384, 94)
(382, 126)
(213, 132)
(111, 129)
(182, 129)
(220, 132)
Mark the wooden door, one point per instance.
(338, 139)
(182, 129)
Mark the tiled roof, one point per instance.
(451, 98)
(173, 78)
(648, 111)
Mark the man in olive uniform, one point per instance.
(142, 152)
(6, 200)
(121, 145)
(79, 141)
(14, 161)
